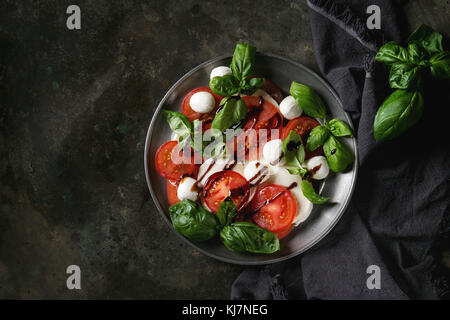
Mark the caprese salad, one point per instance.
(243, 157)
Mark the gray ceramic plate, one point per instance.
(339, 187)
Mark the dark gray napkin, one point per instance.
(398, 216)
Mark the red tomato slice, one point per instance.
(281, 234)
(274, 208)
(223, 184)
(172, 188)
(303, 126)
(262, 115)
(192, 115)
(165, 165)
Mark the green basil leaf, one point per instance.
(317, 138)
(339, 128)
(310, 193)
(404, 76)
(243, 62)
(249, 87)
(225, 85)
(308, 100)
(401, 110)
(440, 65)
(290, 146)
(338, 156)
(391, 53)
(226, 212)
(192, 221)
(179, 124)
(301, 153)
(231, 113)
(417, 54)
(298, 171)
(245, 236)
(428, 38)
(256, 83)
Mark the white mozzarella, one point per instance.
(323, 170)
(188, 189)
(282, 177)
(266, 96)
(256, 172)
(273, 152)
(289, 108)
(220, 72)
(202, 102)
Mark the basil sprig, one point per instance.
(242, 67)
(294, 156)
(197, 224)
(339, 157)
(404, 107)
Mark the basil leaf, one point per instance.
(231, 113)
(401, 110)
(310, 194)
(243, 62)
(225, 85)
(226, 212)
(391, 53)
(339, 128)
(317, 138)
(252, 85)
(192, 221)
(337, 154)
(299, 171)
(417, 54)
(440, 65)
(256, 83)
(179, 124)
(403, 76)
(428, 38)
(245, 236)
(290, 146)
(308, 100)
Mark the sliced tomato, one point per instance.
(261, 115)
(205, 117)
(223, 184)
(172, 188)
(274, 208)
(171, 163)
(283, 233)
(303, 126)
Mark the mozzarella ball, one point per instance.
(202, 102)
(289, 108)
(256, 172)
(220, 71)
(188, 189)
(273, 152)
(321, 162)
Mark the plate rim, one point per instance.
(230, 260)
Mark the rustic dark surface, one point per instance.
(74, 110)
